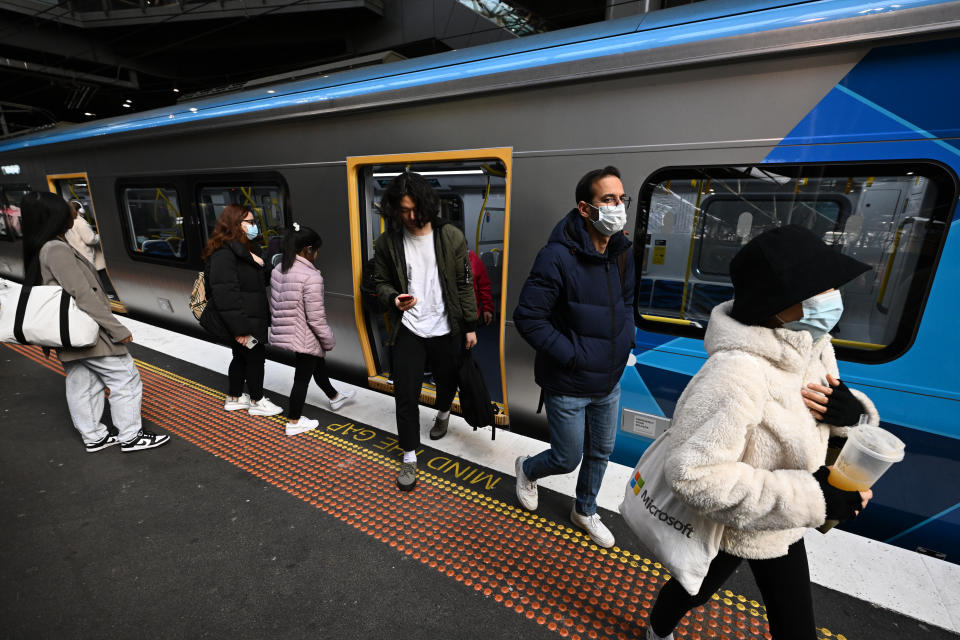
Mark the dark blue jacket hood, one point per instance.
(576, 310)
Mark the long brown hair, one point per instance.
(228, 229)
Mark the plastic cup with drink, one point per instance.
(867, 454)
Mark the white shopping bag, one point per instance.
(679, 536)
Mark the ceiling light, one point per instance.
(175, 90)
(458, 172)
(87, 113)
(270, 91)
(127, 105)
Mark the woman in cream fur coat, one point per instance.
(751, 428)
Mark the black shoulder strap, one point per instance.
(622, 267)
(29, 280)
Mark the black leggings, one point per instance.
(411, 353)
(307, 366)
(246, 366)
(784, 585)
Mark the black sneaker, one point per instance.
(107, 441)
(145, 440)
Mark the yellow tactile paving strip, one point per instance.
(543, 570)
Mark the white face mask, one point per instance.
(610, 220)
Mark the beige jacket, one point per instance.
(745, 443)
(61, 264)
(85, 240)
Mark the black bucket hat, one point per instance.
(784, 266)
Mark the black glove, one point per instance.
(843, 409)
(841, 505)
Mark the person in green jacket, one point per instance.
(423, 278)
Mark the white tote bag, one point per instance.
(678, 535)
(48, 317)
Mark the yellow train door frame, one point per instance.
(354, 166)
(52, 179)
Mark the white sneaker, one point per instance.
(651, 634)
(302, 425)
(243, 402)
(263, 407)
(526, 488)
(341, 399)
(592, 525)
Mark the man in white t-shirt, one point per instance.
(423, 277)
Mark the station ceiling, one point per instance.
(79, 60)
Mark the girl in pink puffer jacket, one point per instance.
(299, 323)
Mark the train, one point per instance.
(724, 119)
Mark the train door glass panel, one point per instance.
(154, 222)
(77, 187)
(267, 201)
(474, 194)
(10, 196)
(891, 217)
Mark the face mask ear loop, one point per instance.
(777, 316)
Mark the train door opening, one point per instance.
(474, 191)
(76, 187)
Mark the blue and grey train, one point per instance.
(724, 118)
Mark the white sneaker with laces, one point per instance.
(341, 399)
(302, 425)
(526, 488)
(263, 407)
(243, 402)
(591, 524)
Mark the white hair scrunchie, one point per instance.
(296, 226)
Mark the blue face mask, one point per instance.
(821, 313)
(252, 231)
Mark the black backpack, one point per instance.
(475, 404)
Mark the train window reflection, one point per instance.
(10, 196)
(890, 217)
(267, 201)
(473, 197)
(155, 222)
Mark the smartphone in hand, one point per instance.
(403, 297)
(251, 342)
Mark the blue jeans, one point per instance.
(579, 427)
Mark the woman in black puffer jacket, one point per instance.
(236, 278)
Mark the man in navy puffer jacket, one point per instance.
(576, 310)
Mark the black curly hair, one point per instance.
(416, 186)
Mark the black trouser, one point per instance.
(247, 366)
(105, 281)
(410, 354)
(784, 584)
(307, 366)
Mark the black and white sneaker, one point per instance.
(145, 440)
(107, 441)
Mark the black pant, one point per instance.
(247, 366)
(784, 585)
(410, 355)
(307, 366)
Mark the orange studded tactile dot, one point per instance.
(543, 570)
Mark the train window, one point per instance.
(473, 189)
(154, 221)
(10, 196)
(892, 217)
(268, 202)
(76, 187)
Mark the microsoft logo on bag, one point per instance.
(636, 482)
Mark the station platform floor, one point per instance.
(236, 530)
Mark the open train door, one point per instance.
(474, 190)
(76, 186)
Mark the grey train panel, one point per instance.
(727, 113)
